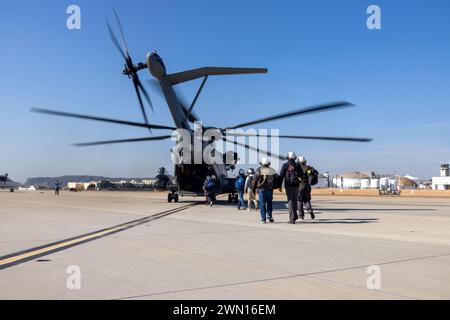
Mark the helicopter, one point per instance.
(4, 181)
(162, 180)
(189, 177)
(4, 178)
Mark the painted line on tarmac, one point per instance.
(16, 258)
(290, 276)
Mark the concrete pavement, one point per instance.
(223, 253)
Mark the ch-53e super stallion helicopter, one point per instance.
(188, 178)
(4, 178)
(3, 182)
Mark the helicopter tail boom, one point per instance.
(189, 75)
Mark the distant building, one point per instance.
(352, 180)
(412, 178)
(148, 182)
(75, 186)
(81, 186)
(387, 184)
(30, 188)
(405, 183)
(442, 182)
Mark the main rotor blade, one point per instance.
(270, 154)
(101, 119)
(312, 109)
(119, 23)
(114, 40)
(130, 68)
(349, 139)
(89, 144)
(138, 93)
(146, 95)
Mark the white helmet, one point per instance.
(291, 156)
(265, 161)
(302, 160)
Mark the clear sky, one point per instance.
(316, 51)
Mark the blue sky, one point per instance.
(316, 51)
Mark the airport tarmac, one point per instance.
(137, 246)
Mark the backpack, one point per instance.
(266, 181)
(275, 182)
(313, 176)
(239, 183)
(210, 186)
(293, 175)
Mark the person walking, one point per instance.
(266, 180)
(240, 186)
(291, 173)
(210, 188)
(57, 188)
(304, 198)
(249, 188)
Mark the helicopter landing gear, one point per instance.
(172, 197)
(236, 198)
(230, 198)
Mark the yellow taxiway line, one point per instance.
(30, 254)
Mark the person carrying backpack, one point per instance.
(311, 178)
(210, 188)
(291, 173)
(239, 184)
(266, 180)
(250, 189)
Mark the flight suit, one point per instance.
(304, 197)
(292, 188)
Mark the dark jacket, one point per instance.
(284, 174)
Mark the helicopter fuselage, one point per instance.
(188, 175)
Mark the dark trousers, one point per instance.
(265, 204)
(307, 205)
(210, 197)
(305, 199)
(56, 192)
(292, 197)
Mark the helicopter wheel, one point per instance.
(236, 198)
(230, 198)
(169, 197)
(175, 198)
